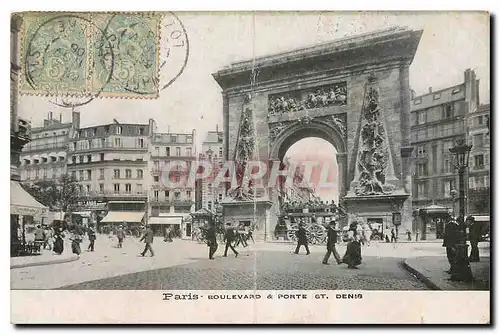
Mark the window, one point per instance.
(209, 204)
(118, 142)
(81, 159)
(188, 194)
(421, 151)
(101, 174)
(116, 188)
(449, 185)
(116, 173)
(128, 173)
(188, 151)
(88, 188)
(422, 134)
(447, 144)
(448, 165)
(102, 156)
(156, 165)
(140, 174)
(479, 181)
(417, 101)
(139, 188)
(173, 139)
(44, 173)
(128, 188)
(478, 141)
(479, 161)
(89, 144)
(155, 194)
(101, 188)
(141, 131)
(220, 152)
(209, 189)
(141, 142)
(103, 142)
(178, 151)
(421, 189)
(448, 110)
(156, 178)
(455, 90)
(177, 195)
(446, 130)
(118, 130)
(436, 96)
(73, 159)
(479, 120)
(81, 175)
(37, 171)
(220, 197)
(167, 194)
(422, 169)
(167, 151)
(89, 158)
(89, 174)
(189, 139)
(421, 117)
(73, 174)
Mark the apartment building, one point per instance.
(212, 152)
(110, 162)
(44, 157)
(479, 164)
(171, 203)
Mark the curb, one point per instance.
(430, 284)
(72, 258)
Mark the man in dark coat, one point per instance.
(474, 238)
(450, 239)
(301, 239)
(330, 244)
(211, 242)
(92, 237)
(148, 240)
(229, 237)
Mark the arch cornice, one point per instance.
(330, 130)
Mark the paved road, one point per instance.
(264, 270)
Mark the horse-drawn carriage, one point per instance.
(315, 225)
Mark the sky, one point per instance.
(451, 43)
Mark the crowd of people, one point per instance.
(312, 205)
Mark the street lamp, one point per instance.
(463, 271)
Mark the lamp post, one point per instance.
(462, 269)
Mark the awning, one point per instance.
(123, 217)
(22, 203)
(482, 218)
(165, 220)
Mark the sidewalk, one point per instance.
(46, 258)
(431, 271)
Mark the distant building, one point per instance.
(110, 162)
(479, 164)
(44, 158)
(438, 120)
(212, 151)
(170, 204)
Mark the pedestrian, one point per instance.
(301, 239)
(58, 241)
(330, 244)
(474, 238)
(393, 235)
(92, 237)
(39, 234)
(408, 233)
(449, 241)
(120, 234)
(367, 234)
(250, 234)
(76, 239)
(211, 241)
(416, 234)
(148, 240)
(241, 236)
(387, 239)
(352, 256)
(229, 237)
(48, 238)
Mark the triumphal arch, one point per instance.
(354, 93)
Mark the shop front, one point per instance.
(174, 223)
(131, 221)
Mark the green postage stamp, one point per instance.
(90, 54)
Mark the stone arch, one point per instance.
(318, 129)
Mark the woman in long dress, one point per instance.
(58, 242)
(352, 255)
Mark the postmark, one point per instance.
(134, 40)
(56, 59)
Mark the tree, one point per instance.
(63, 194)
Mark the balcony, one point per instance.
(116, 194)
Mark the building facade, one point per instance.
(479, 164)
(171, 202)
(110, 162)
(212, 151)
(44, 158)
(438, 120)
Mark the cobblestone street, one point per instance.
(265, 270)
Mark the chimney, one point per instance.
(430, 89)
(60, 118)
(75, 118)
(50, 115)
